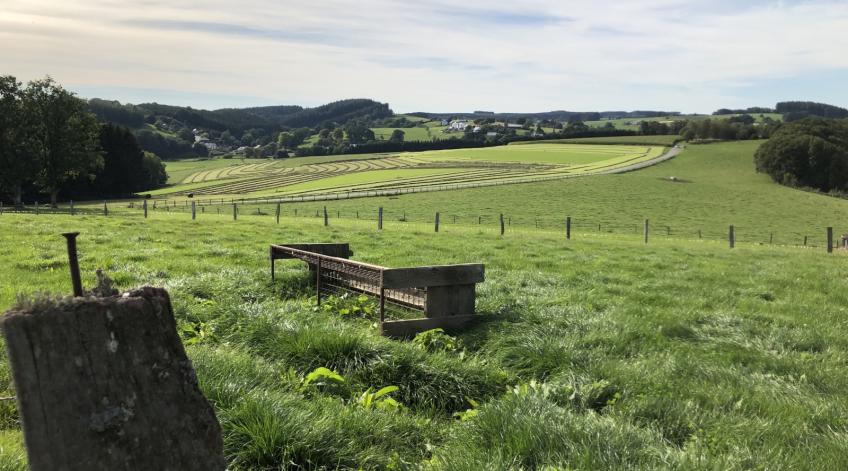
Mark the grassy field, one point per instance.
(178, 170)
(316, 175)
(617, 140)
(715, 186)
(595, 353)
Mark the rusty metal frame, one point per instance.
(335, 272)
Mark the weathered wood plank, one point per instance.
(329, 249)
(440, 275)
(451, 300)
(105, 384)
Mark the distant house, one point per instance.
(491, 134)
(458, 125)
(209, 145)
(476, 129)
(444, 122)
(514, 126)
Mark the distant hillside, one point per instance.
(273, 113)
(175, 132)
(795, 110)
(559, 115)
(338, 112)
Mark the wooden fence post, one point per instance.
(568, 228)
(699, 234)
(437, 222)
(731, 236)
(326, 222)
(36, 207)
(380, 218)
(771, 238)
(318, 281)
(235, 212)
(72, 207)
(193, 211)
(144, 205)
(502, 224)
(277, 214)
(829, 240)
(105, 209)
(140, 406)
(479, 220)
(647, 229)
(805, 241)
(1, 207)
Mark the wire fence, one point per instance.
(823, 238)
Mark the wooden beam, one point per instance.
(332, 250)
(440, 275)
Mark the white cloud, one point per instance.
(435, 55)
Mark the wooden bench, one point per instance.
(445, 294)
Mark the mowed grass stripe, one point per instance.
(515, 163)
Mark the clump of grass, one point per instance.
(279, 430)
(531, 432)
(12, 453)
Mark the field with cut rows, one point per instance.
(458, 168)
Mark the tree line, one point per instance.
(50, 142)
(810, 153)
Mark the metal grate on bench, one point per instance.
(444, 293)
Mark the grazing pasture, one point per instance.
(596, 353)
(490, 165)
(714, 186)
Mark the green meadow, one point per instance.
(397, 171)
(596, 353)
(714, 186)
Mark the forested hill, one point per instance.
(339, 112)
(175, 132)
(559, 115)
(238, 120)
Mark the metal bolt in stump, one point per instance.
(73, 262)
(829, 240)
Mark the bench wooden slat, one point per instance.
(441, 275)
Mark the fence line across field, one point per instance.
(502, 222)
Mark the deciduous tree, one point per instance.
(65, 136)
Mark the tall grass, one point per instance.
(595, 353)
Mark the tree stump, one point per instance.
(105, 384)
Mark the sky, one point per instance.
(435, 55)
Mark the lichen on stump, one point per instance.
(105, 384)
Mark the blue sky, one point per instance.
(537, 55)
